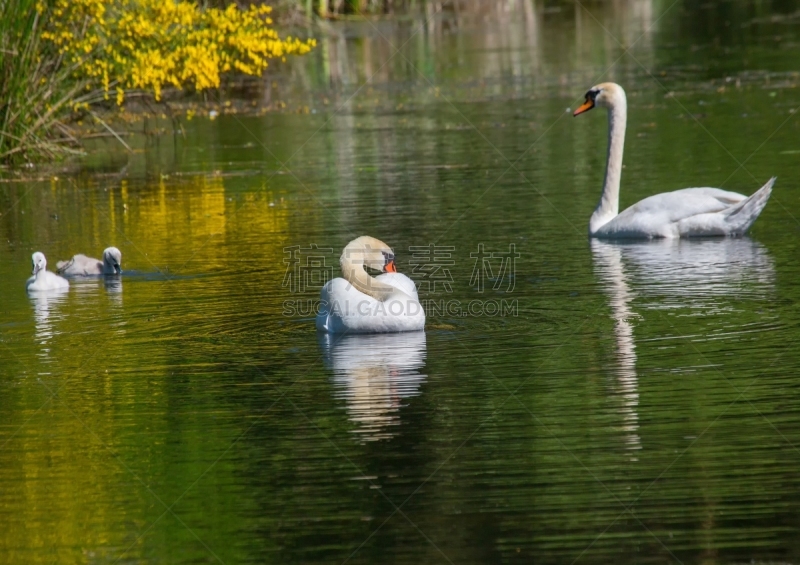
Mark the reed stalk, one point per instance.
(35, 88)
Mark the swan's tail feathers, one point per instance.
(740, 217)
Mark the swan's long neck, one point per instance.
(608, 207)
(355, 274)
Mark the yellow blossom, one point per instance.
(151, 44)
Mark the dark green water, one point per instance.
(636, 403)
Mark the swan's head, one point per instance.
(369, 252)
(112, 259)
(39, 262)
(605, 95)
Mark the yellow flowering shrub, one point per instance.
(150, 44)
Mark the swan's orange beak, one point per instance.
(585, 107)
(389, 267)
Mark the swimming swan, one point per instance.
(43, 279)
(81, 265)
(359, 303)
(689, 212)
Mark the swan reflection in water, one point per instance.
(702, 275)
(113, 287)
(47, 309)
(374, 373)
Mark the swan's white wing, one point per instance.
(46, 281)
(658, 215)
(681, 204)
(400, 282)
(62, 266)
(80, 265)
(336, 299)
(734, 220)
(345, 309)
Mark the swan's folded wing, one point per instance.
(681, 204)
(724, 196)
(733, 220)
(63, 266)
(82, 265)
(333, 301)
(400, 282)
(659, 215)
(345, 309)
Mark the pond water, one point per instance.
(569, 402)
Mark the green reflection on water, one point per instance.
(658, 378)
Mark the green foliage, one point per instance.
(34, 89)
(60, 56)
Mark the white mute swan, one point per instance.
(43, 279)
(690, 212)
(81, 265)
(359, 303)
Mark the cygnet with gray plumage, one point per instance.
(81, 265)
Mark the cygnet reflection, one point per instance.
(47, 309)
(113, 287)
(374, 373)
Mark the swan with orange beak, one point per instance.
(360, 303)
(690, 212)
